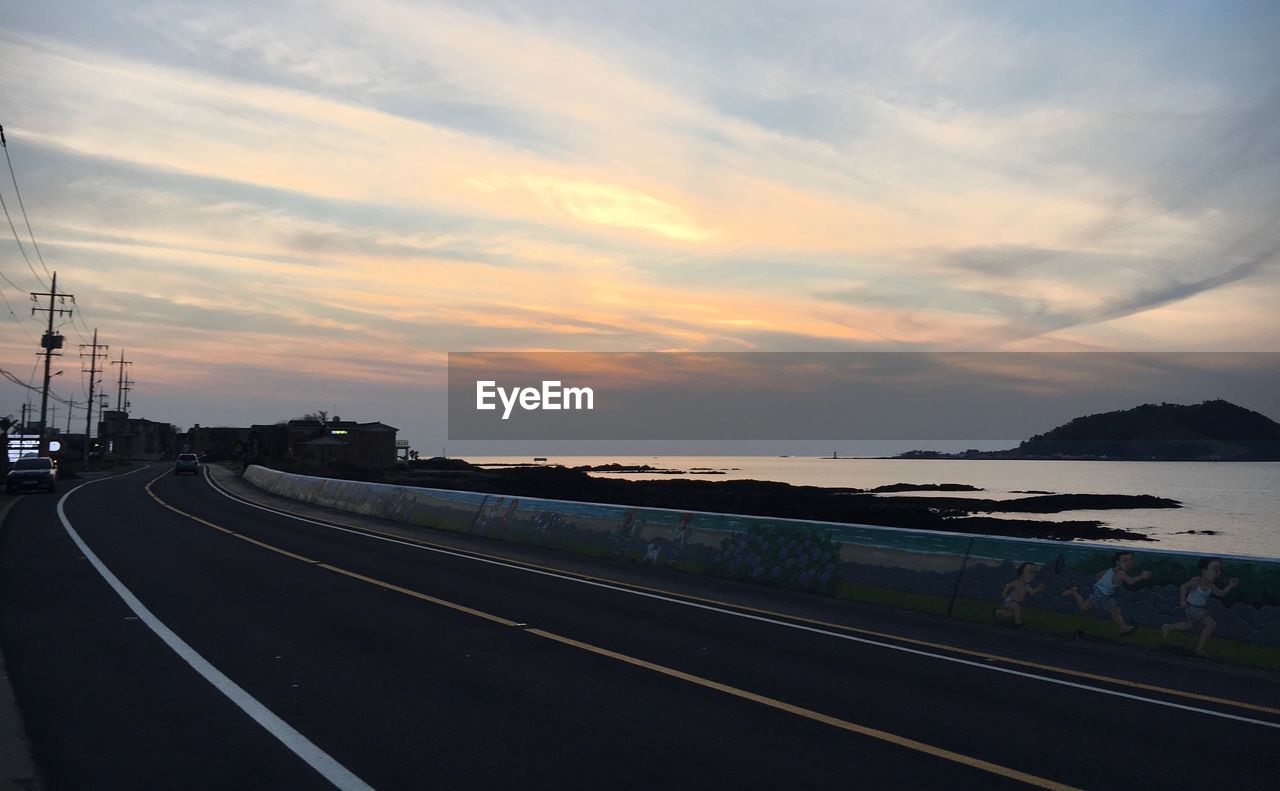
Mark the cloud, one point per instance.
(603, 204)
(1163, 291)
(362, 186)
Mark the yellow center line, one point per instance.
(826, 719)
(971, 652)
(229, 532)
(810, 714)
(275, 549)
(420, 596)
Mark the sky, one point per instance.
(278, 208)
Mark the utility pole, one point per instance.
(71, 406)
(122, 362)
(25, 407)
(50, 342)
(103, 401)
(93, 379)
(128, 385)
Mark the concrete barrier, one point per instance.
(434, 508)
(958, 575)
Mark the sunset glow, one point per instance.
(321, 200)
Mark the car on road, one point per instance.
(187, 462)
(31, 473)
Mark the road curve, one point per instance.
(161, 634)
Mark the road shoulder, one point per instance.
(17, 770)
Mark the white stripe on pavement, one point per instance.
(299, 745)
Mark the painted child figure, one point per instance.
(1193, 598)
(1104, 589)
(1016, 592)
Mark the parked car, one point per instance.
(30, 473)
(187, 462)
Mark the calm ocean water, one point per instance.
(1241, 502)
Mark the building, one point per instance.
(216, 443)
(268, 442)
(136, 438)
(368, 445)
(314, 445)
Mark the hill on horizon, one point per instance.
(1216, 430)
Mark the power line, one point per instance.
(80, 318)
(23, 250)
(71, 321)
(51, 340)
(5, 145)
(18, 381)
(26, 404)
(21, 326)
(6, 279)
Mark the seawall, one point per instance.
(952, 574)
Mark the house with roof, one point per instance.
(314, 444)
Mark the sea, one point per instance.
(1228, 508)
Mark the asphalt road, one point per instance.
(178, 638)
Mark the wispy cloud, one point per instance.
(361, 187)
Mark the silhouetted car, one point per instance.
(187, 462)
(30, 473)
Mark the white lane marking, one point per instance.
(759, 618)
(298, 744)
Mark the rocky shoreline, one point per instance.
(769, 498)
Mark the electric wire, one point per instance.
(5, 145)
(31, 378)
(18, 381)
(21, 326)
(31, 234)
(18, 239)
(21, 290)
(80, 318)
(16, 287)
(77, 321)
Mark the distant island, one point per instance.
(1210, 431)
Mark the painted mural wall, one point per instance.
(1227, 608)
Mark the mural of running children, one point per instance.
(624, 541)
(1193, 598)
(1105, 587)
(496, 514)
(682, 535)
(1016, 592)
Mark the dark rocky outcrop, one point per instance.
(768, 498)
(1210, 431)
